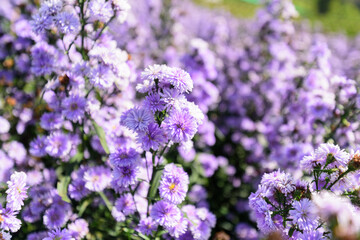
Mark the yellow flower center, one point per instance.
(172, 186)
(1, 218)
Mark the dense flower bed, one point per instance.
(163, 120)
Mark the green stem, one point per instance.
(106, 200)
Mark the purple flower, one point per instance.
(149, 75)
(17, 191)
(152, 137)
(165, 214)
(100, 10)
(125, 176)
(147, 226)
(51, 121)
(154, 102)
(43, 59)
(97, 178)
(58, 234)
(342, 158)
(54, 217)
(4, 125)
(8, 220)
(37, 146)
(179, 229)
(245, 232)
(126, 204)
(41, 22)
(67, 22)
(174, 184)
(74, 108)
(124, 157)
(304, 215)
(137, 119)
(79, 228)
(102, 77)
(180, 126)
(58, 145)
(180, 79)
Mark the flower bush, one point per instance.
(164, 120)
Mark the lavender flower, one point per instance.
(137, 119)
(125, 176)
(304, 215)
(125, 204)
(79, 228)
(51, 121)
(9, 222)
(147, 226)
(67, 22)
(58, 145)
(174, 184)
(57, 234)
(54, 217)
(152, 137)
(74, 108)
(165, 214)
(100, 10)
(180, 126)
(97, 178)
(17, 191)
(180, 79)
(124, 157)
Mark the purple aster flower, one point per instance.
(54, 217)
(102, 77)
(209, 163)
(304, 215)
(125, 176)
(58, 234)
(97, 178)
(17, 191)
(342, 158)
(278, 180)
(180, 126)
(100, 10)
(149, 75)
(137, 119)
(174, 184)
(67, 22)
(74, 108)
(197, 193)
(8, 220)
(246, 232)
(165, 214)
(79, 228)
(180, 79)
(58, 145)
(179, 229)
(124, 157)
(77, 189)
(126, 204)
(51, 121)
(119, 216)
(4, 125)
(51, 7)
(16, 151)
(147, 226)
(41, 22)
(5, 235)
(154, 102)
(43, 59)
(152, 137)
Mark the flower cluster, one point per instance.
(16, 193)
(324, 207)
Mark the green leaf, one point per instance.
(291, 231)
(101, 134)
(62, 187)
(155, 183)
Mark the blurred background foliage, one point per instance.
(333, 15)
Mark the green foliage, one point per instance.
(341, 16)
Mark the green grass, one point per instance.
(343, 16)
